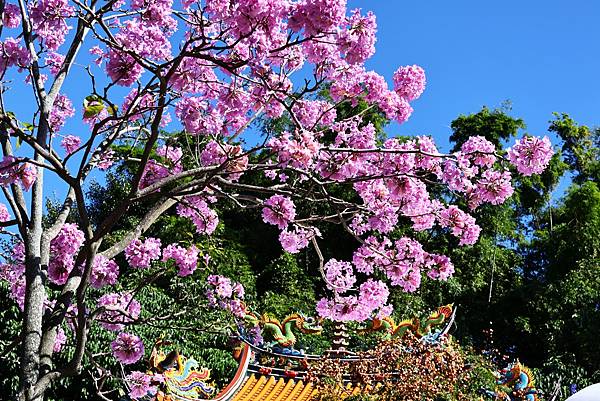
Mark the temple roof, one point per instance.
(269, 388)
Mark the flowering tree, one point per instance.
(211, 68)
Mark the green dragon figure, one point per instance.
(282, 331)
(418, 328)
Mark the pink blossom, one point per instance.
(462, 225)
(59, 269)
(297, 150)
(104, 272)
(317, 16)
(122, 68)
(13, 54)
(194, 76)
(140, 254)
(61, 110)
(153, 172)
(98, 52)
(63, 249)
(339, 275)
(224, 294)
(172, 153)
(373, 294)
(140, 384)
(409, 82)
(196, 209)
(232, 158)
(479, 150)
(119, 309)
(297, 239)
(185, 259)
(68, 241)
(49, 21)
(279, 210)
(314, 112)
(70, 143)
(127, 348)
(531, 155)
(440, 267)
(12, 15)
(54, 61)
(136, 104)
(493, 187)
(358, 40)
(4, 214)
(27, 175)
(198, 117)
(144, 38)
(60, 340)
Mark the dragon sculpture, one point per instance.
(421, 329)
(183, 380)
(520, 379)
(282, 332)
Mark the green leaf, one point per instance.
(92, 106)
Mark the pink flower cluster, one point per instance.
(372, 297)
(104, 272)
(317, 16)
(141, 254)
(49, 21)
(225, 294)
(312, 113)
(409, 82)
(70, 143)
(54, 61)
(339, 275)
(196, 209)
(231, 157)
(298, 149)
(141, 384)
(531, 155)
(63, 250)
(13, 272)
(402, 262)
(462, 225)
(145, 35)
(185, 259)
(279, 210)
(4, 214)
(61, 110)
(12, 54)
(14, 171)
(119, 309)
(12, 15)
(155, 171)
(127, 348)
(294, 240)
(60, 340)
(358, 40)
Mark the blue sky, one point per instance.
(540, 55)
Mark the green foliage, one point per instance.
(495, 125)
(9, 331)
(580, 147)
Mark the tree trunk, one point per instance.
(32, 316)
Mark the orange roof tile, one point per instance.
(262, 388)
